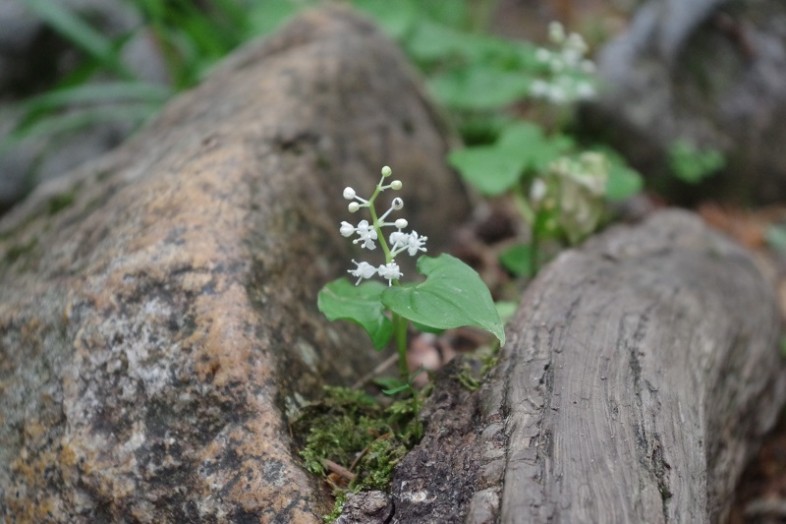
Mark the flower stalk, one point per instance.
(369, 234)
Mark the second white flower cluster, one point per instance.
(571, 72)
(369, 233)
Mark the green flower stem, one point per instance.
(399, 323)
(523, 205)
(375, 221)
(534, 251)
(400, 332)
(531, 217)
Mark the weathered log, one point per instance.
(640, 373)
(157, 307)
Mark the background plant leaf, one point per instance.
(453, 295)
(536, 149)
(518, 260)
(490, 169)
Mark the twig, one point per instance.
(338, 469)
(376, 371)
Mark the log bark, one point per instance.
(640, 373)
(158, 311)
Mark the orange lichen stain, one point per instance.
(67, 456)
(33, 431)
(29, 471)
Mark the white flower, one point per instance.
(538, 88)
(416, 243)
(386, 171)
(396, 185)
(401, 223)
(409, 242)
(556, 94)
(556, 32)
(366, 234)
(349, 193)
(362, 270)
(585, 90)
(538, 190)
(346, 229)
(353, 207)
(398, 239)
(390, 272)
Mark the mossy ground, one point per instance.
(355, 441)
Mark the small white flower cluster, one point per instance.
(572, 192)
(370, 233)
(568, 67)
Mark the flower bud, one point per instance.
(401, 223)
(349, 193)
(396, 185)
(347, 229)
(397, 203)
(353, 207)
(556, 32)
(386, 171)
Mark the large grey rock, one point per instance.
(707, 71)
(157, 307)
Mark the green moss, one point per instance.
(60, 202)
(361, 435)
(477, 366)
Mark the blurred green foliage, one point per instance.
(477, 77)
(691, 164)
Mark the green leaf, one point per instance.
(479, 87)
(392, 386)
(537, 149)
(341, 300)
(78, 32)
(103, 92)
(518, 260)
(623, 181)
(453, 295)
(490, 169)
(692, 165)
(506, 309)
(265, 17)
(396, 18)
(522, 147)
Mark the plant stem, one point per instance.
(400, 331)
(534, 248)
(399, 323)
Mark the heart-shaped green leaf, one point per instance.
(490, 169)
(341, 300)
(535, 148)
(453, 295)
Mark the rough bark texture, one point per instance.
(157, 311)
(640, 372)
